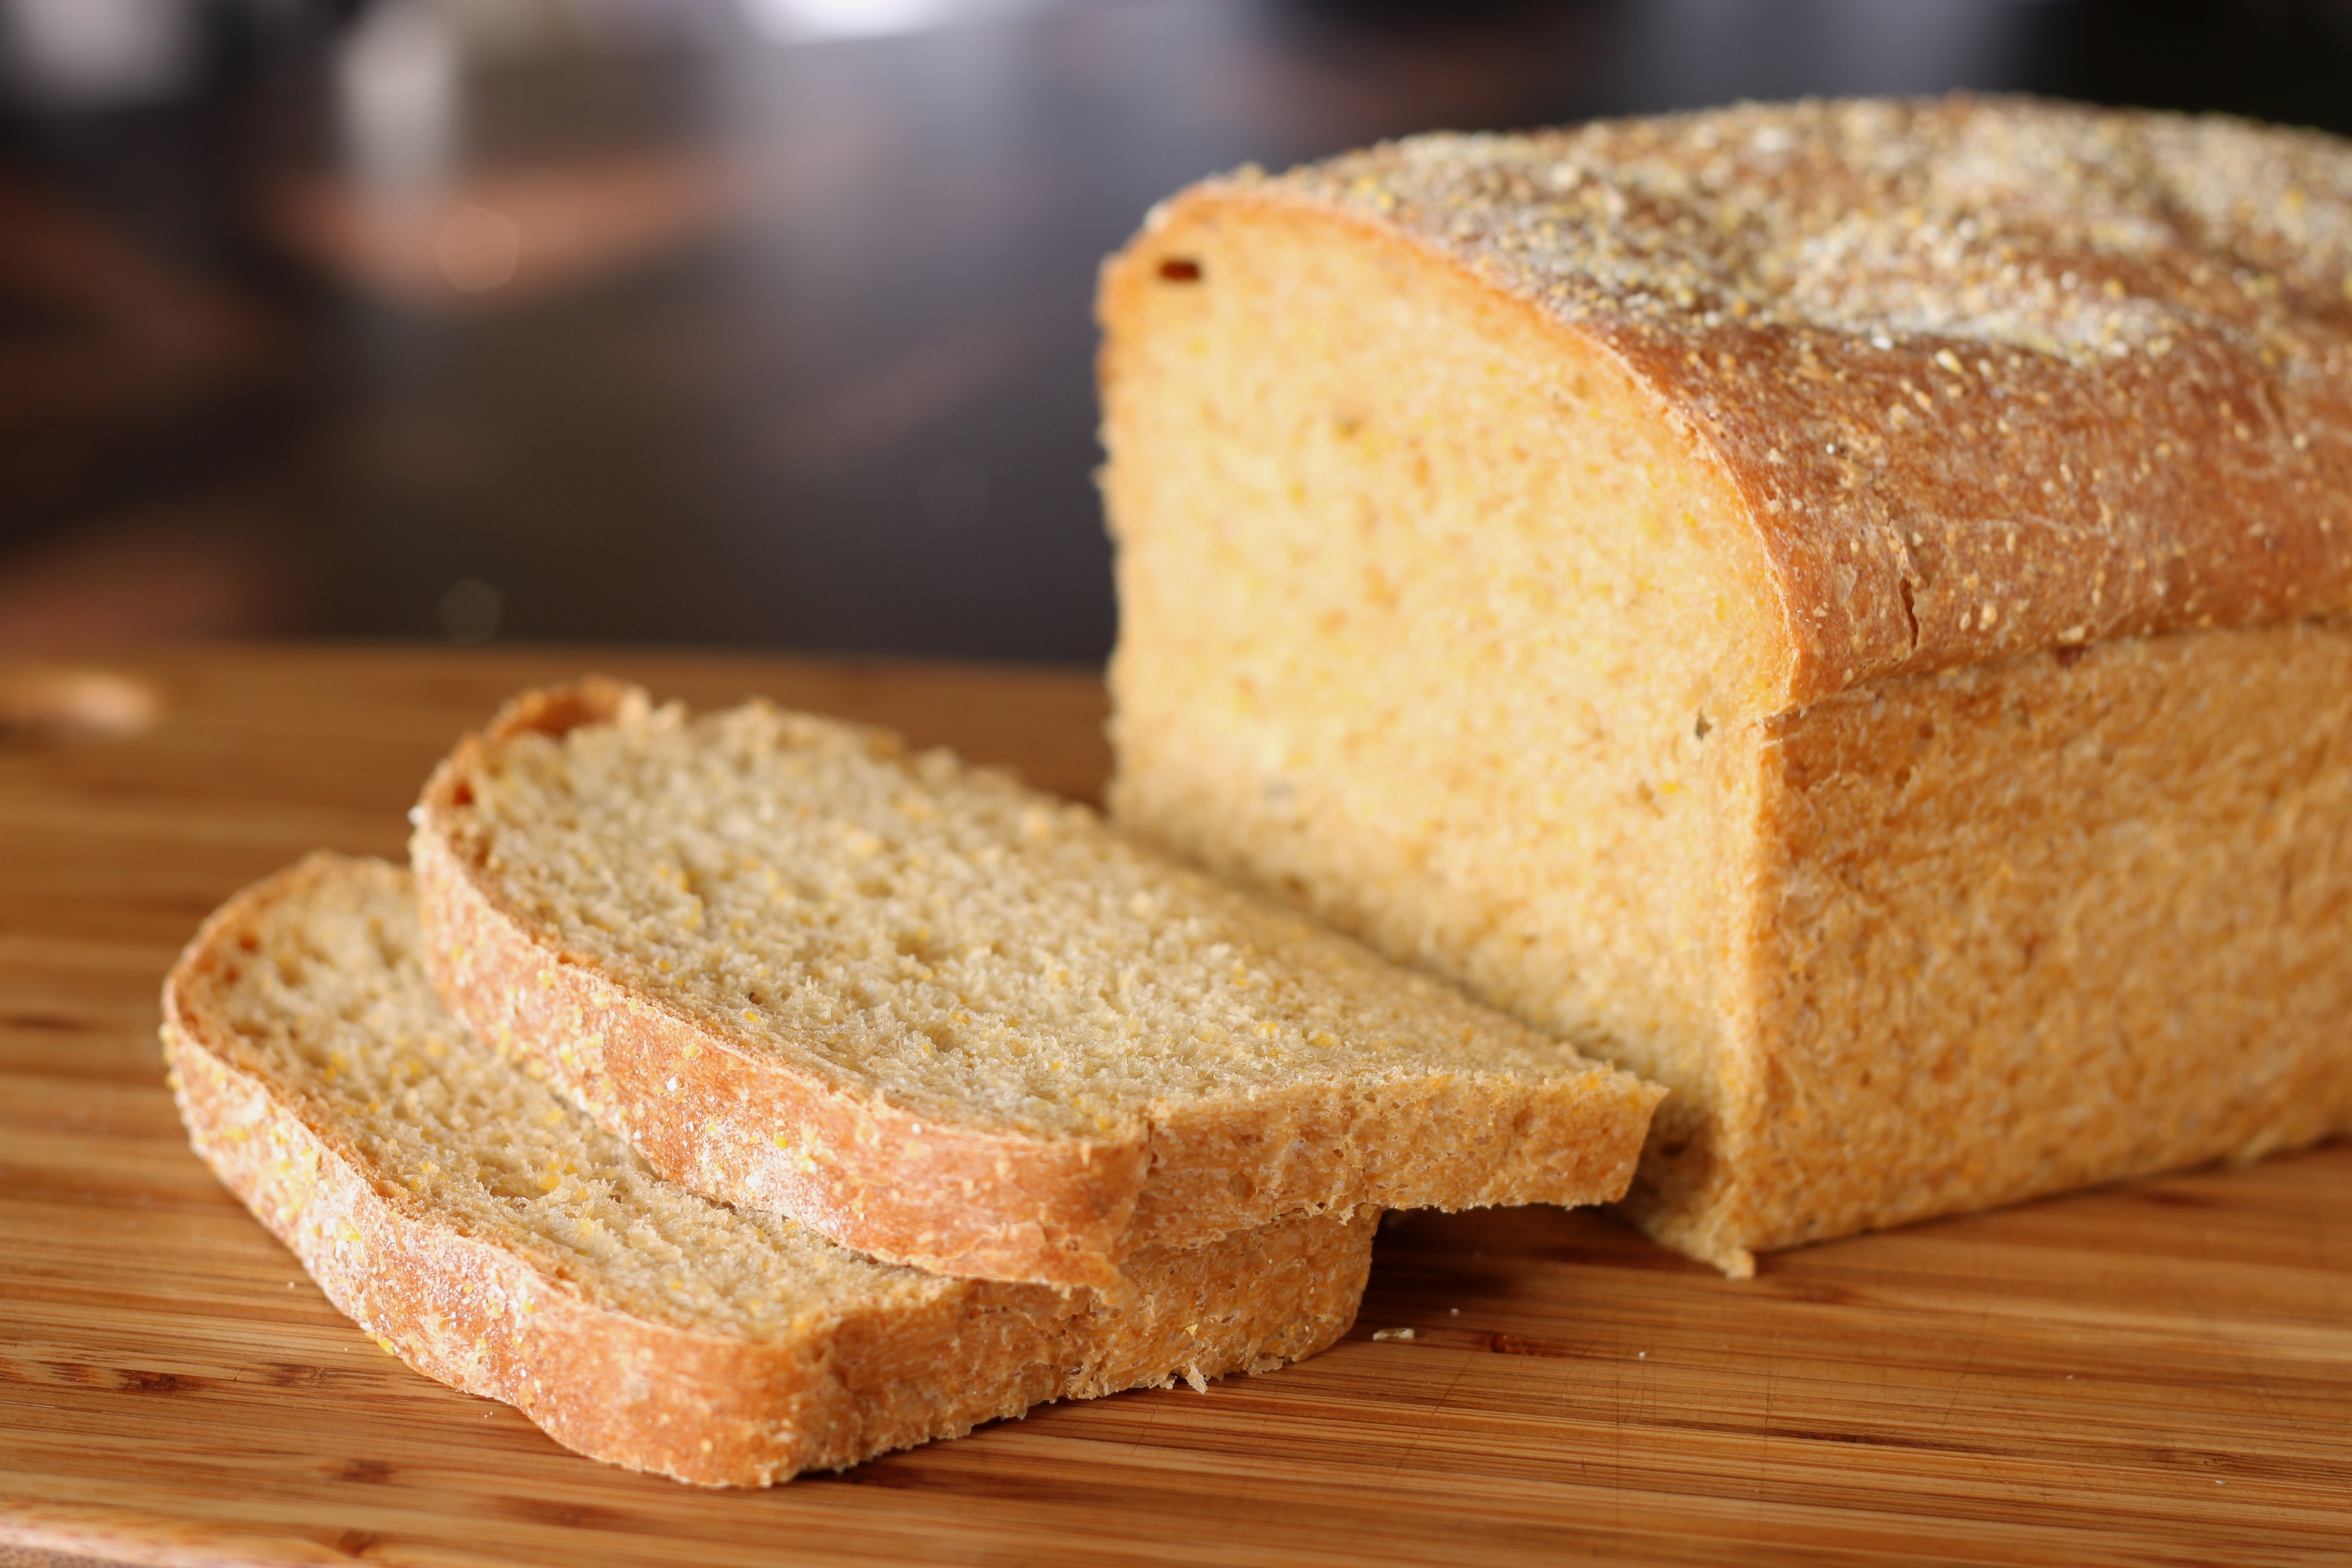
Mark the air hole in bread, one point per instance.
(1180, 269)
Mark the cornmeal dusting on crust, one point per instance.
(2057, 230)
(2077, 297)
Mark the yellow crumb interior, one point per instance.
(1432, 623)
(970, 948)
(330, 1005)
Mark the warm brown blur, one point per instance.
(745, 322)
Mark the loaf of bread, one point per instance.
(948, 1020)
(1846, 600)
(492, 1237)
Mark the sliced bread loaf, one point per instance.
(950, 1021)
(493, 1238)
(1849, 603)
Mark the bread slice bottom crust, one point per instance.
(878, 1358)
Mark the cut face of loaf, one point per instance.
(950, 1021)
(1843, 603)
(494, 1238)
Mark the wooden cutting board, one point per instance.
(2156, 1374)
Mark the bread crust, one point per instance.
(698, 1405)
(2135, 331)
(1068, 1212)
(2020, 432)
(2114, 887)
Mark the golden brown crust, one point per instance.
(1066, 1212)
(2067, 919)
(703, 1407)
(1467, 1141)
(1989, 376)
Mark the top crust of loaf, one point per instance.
(1990, 375)
(948, 1021)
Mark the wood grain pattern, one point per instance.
(2160, 1373)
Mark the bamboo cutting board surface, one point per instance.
(2156, 1374)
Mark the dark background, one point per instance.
(758, 323)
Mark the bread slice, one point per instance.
(490, 1235)
(1844, 603)
(948, 1020)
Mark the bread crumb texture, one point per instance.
(489, 1235)
(972, 949)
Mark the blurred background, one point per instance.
(754, 322)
